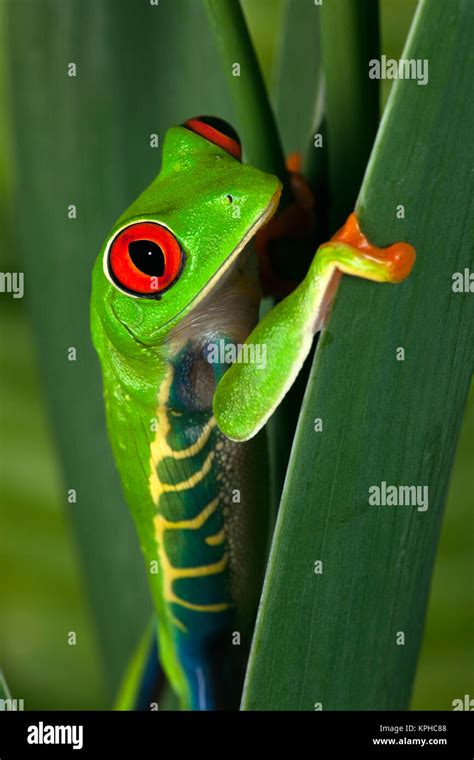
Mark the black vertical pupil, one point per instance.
(147, 257)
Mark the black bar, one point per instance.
(317, 735)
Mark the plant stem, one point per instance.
(349, 37)
(259, 133)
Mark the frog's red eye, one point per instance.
(144, 259)
(217, 131)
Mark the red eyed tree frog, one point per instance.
(175, 294)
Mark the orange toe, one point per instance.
(400, 257)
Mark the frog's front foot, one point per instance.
(390, 264)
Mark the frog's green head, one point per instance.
(183, 234)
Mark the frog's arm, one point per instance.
(249, 392)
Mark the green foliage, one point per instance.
(85, 141)
(331, 638)
(446, 668)
(349, 39)
(43, 598)
(298, 109)
(4, 693)
(245, 86)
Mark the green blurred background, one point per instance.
(42, 594)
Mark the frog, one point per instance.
(175, 293)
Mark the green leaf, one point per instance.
(298, 109)
(126, 697)
(4, 691)
(349, 40)
(445, 666)
(246, 87)
(85, 140)
(331, 638)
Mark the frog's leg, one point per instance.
(273, 354)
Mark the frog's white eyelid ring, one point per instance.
(143, 259)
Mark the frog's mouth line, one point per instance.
(226, 268)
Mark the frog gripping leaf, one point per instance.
(175, 291)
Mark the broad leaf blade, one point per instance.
(349, 40)
(331, 639)
(85, 140)
(298, 109)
